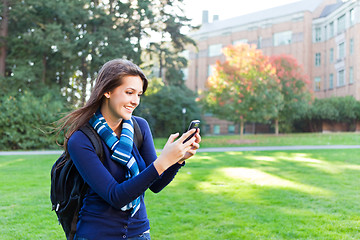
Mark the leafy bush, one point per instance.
(334, 109)
(337, 109)
(25, 120)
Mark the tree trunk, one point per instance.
(276, 126)
(111, 9)
(241, 127)
(3, 37)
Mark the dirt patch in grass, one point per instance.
(241, 141)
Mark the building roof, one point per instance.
(330, 8)
(284, 10)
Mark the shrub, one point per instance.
(25, 120)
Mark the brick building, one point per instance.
(323, 35)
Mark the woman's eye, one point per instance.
(129, 93)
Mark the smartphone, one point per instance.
(194, 124)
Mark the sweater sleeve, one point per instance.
(93, 171)
(149, 155)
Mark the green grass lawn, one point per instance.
(343, 138)
(234, 195)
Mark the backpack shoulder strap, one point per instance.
(138, 139)
(94, 137)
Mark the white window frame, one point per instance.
(351, 75)
(352, 16)
(341, 23)
(282, 38)
(318, 34)
(215, 50)
(317, 59)
(341, 50)
(341, 78)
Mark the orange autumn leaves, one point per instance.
(249, 85)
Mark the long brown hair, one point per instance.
(109, 77)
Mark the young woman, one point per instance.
(114, 206)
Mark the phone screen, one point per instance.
(194, 124)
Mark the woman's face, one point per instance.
(123, 100)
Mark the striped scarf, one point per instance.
(121, 148)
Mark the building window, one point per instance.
(351, 75)
(331, 28)
(317, 59)
(331, 81)
(317, 34)
(210, 70)
(341, 50)
(352, 17)
(341, 78)
(351, 46)
(207, 128)
(282, 38)
(259, 42)
(317, 81)
(241, 41)
(331, 55)
(215, 50)
(341, 24)
(216, 129)
(231, 129)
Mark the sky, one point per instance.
(227, 8)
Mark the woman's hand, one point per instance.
(194, 147)
(175, 151)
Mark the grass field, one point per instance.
(343, 138)
(233, 195)
(253, 195)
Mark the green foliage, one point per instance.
(63, 44)
(336, 109)
(163, 110)
(332, 110)
(26, 120)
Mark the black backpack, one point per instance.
(68, 189)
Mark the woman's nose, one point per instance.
(135, 100)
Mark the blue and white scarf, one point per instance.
(121, 148)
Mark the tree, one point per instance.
(163, 109)
(245, 87)
(170, 24)
(4, 24)
(40, 44)
(294, 89)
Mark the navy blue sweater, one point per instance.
(100, 216)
